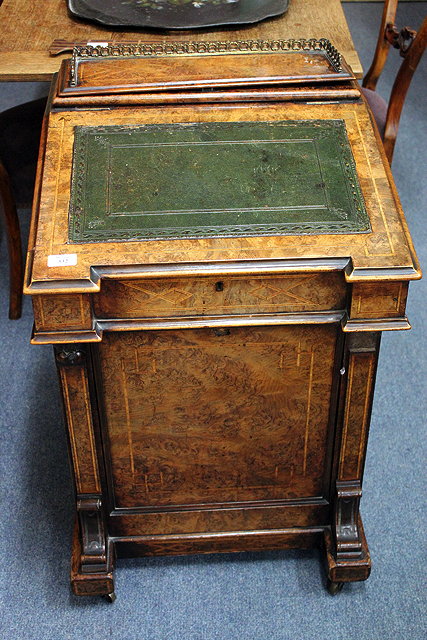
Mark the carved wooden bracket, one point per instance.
(401, 40)
(69, 355)
(94, 556)
(347, 535)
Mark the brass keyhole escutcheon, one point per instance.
(221, 331)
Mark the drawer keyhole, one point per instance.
(219, 286)
(221, 331)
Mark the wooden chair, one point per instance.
(411, 46)
(14, 245)
(19, 142)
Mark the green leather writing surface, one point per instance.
(214, 179)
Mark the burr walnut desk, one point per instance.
(214, 256)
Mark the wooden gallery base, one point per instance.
(217, 390)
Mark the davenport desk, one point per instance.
(216, 246)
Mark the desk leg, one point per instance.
(347, 551)
(92, 559)
(89, 584)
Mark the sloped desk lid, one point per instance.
(214, 180)
(348, 212)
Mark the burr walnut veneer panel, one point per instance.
(201, 296)
(187, 413)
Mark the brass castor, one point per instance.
(334, 587)
(110, 597)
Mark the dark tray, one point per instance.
(176, 14)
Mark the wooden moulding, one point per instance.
(376, 324)
(213, 268)
(165, 303)
(89, 584)
(96, 334)
(220, 519)
(98, 274)
(225, 542)
(350, 570)
(259, 94)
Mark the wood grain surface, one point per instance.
(30, 26)
(182, 297)
(387, 252)
(153, 72)
(76, 394)
(224, 542)
(165, 391)
(360, 365)
(370, 300)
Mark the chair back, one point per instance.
(411, 45)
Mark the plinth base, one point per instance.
(338, 571)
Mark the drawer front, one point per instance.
(171, 297)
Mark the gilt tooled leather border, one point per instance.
(353, 219)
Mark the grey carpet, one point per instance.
(276, 595)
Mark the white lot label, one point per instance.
(97, 44)
(65, 260)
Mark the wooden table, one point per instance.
(30, 26)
